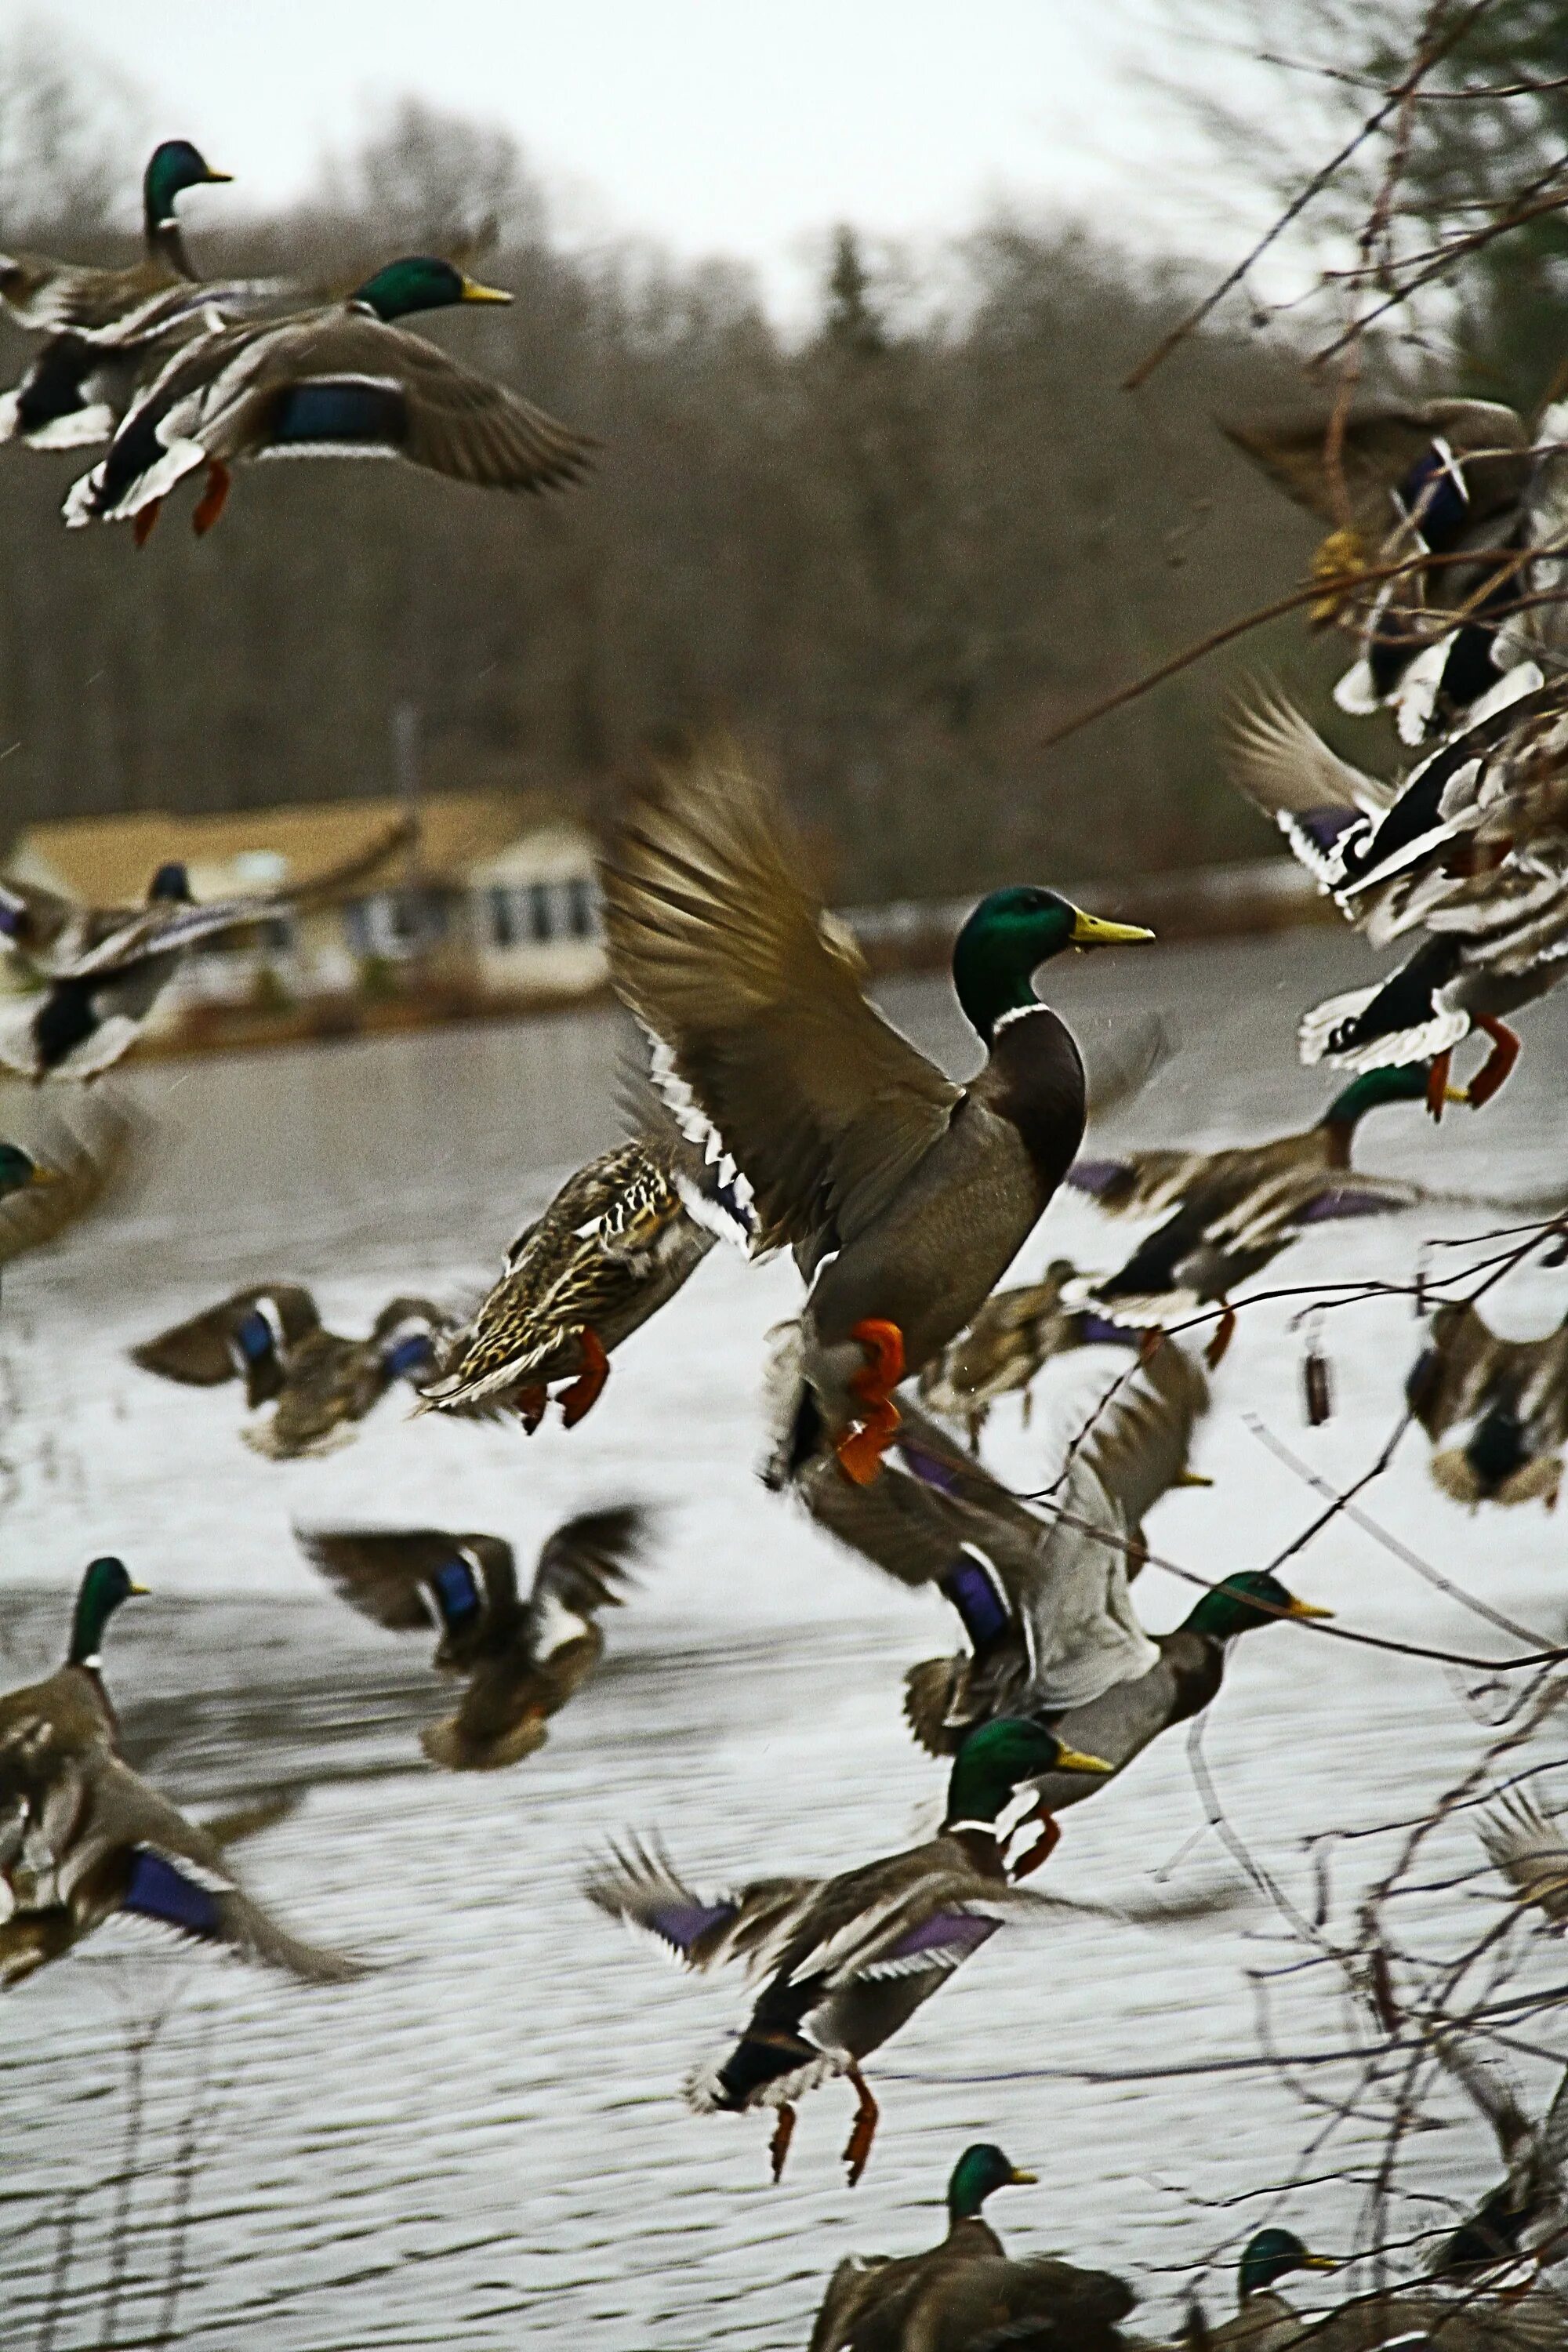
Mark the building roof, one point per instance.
(109, 861)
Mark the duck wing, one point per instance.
(638, 1883)
(1324, 808)
(585, 1566)
(180, 1878)
(993, 2302)
(1529, 1851)
(1489, 2089)
(36, 921)
(1461, 1358)
(1138, 1446)
(1138, 1183)
(720, 947)
(225, 1341)
(408, 1579)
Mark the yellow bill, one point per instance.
(1094, 932)
(1305, 1608)
(1073, 1760)
(1022, 2179)
(474, 293)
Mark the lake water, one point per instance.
(482, 2143)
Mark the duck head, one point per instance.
(172, 168)
(979, 2170)
(1273, 2255)
(995, 1758)
(1009, 936)
(1374, 1089)
(106, 1583)
(1246, 1601)
(420, 282)
(170, 884)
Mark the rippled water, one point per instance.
(482, 2143)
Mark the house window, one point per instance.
(580, 912)
(393, 923)
(503, 917)
(540, 912)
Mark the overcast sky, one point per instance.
(713, 126)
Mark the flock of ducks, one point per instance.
(779, 1110)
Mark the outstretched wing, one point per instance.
(1138, 1444)
(720, 947)
(1451, 1375)
(1138, 1183)
(214, 1346)
(1529, 1851)
(407, 1578)
(1487, 2087)
(585, 1566)
(638, 1883)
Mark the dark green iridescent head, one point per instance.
(1373, 1090)
(18, 1169)
(174, 167)
(105, 1585)
(1008, 937)
(993, 1760)
(979, 2170)
(1244, 1602)
(420, 282)
(1273, 2255)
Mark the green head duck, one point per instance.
(1008, 937)
(105, 1585)
(18, 1169)
(172, 168)
(1271, 2256)
(993, 1760)
(420, 282)
(979, 2170)
(1245, 1601)
(1374, 1088)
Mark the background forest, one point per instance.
(894, 550)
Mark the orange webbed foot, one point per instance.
(778, 2146)
(1497, 1064)
(860, 1453)
(213, 500)
(588, 1387)
(531, 1405)
(1437, 1085)
(857, 2148)
(1044, 1845)
(1224, 1333)
(146, 517)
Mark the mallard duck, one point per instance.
(67, 1173)
(1525, 2217)
(105, 328)
(1445, 477)
(271, 1337)
(1227, 1215)
(1016, 1334)
(615, 1244)
(339, 381)
(966, 2289)
(104, 967)
(1509, 1397)
(1470, 854)
(1530, 1852)
(69, 1717)
(849, 1959)
(522, 1659)
(904, 1196)
(98, 1840)
(1410, 2317)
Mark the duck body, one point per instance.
(615, 1245)
(1506, 1399)
(522, 1659)
(846, 1962)
(958, 2292)
(68, 1718)
(904, 1196)
(1015, 1333)
(344, 380)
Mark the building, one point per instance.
(497, 904)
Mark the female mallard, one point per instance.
(522, 1659)
(1467, 853)
(904, 1196)
(1014, 1335)
(105, 328)
(271, 1337)
(849, 1959)
(1509, 1399)
(97, 1841)
(1227, 1215)
(964, 2288)
(1448, 478)
(618, 1242)
(343, 380)
(105, 967)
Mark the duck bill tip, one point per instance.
(474, 293)
(1074, 1759)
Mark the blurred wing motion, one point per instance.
(585, 1566)
(637, 1884)
(1530, 1852)
(232, 1340)
(409, 1578)
(82, 1164)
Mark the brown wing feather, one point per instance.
(717, 944)
(586, 1565)
(197, 1351)
(380, 1571)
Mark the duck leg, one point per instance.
(1497, 1064)
(860, 1453)
(1044, 1845)
(146, 517)
(1224, 1333)
(531, 1405)
(588, 1386)
(863, 2131)
(213, 500)
(778, 2146)
(1437, 1084)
